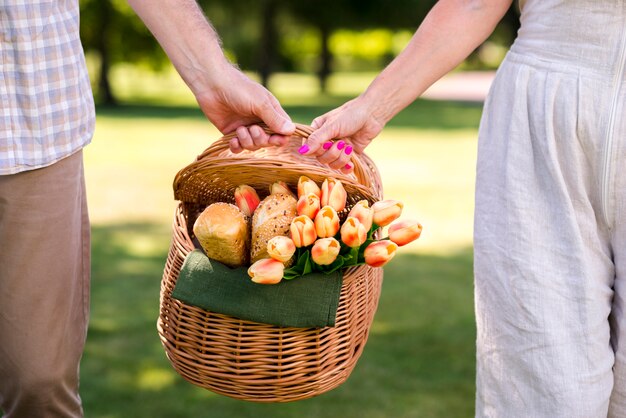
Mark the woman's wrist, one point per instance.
(379, 104)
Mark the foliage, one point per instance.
(276, 35)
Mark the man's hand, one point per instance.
(228, 98)
(234, 102)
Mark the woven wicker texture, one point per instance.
(248, 360)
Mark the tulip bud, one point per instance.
(325, 251)
(333, 194)
(326, 222)
(378, 253)
(306, 186)
(404, 232)
(308, 205)
(281, 248)
(266, 271)
(246, 199)
(353, 233)
(280, 187)
(386, 211)
(302, 231)
(363, 213)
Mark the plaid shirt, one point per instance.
(46, 104)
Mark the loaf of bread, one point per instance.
(272, 217)
(223, 232)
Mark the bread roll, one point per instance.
(222, 230)
(272, 217)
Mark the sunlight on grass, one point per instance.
(155, 379)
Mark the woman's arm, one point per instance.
(227, 97)
(448, 34)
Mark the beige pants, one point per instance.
(44, 289)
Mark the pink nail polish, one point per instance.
(327, 145)
(347, 166)
(348, 150)
(340, 145)
(304, 149)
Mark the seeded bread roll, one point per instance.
(222, 230)
(272, 217)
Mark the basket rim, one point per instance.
(218, 156)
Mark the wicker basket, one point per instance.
(248, 360)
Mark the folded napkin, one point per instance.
(309, 301)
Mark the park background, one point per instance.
(313, 55)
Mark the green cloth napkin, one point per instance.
(308, 301)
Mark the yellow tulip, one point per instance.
(364, 213)
(353, 233)
(326, 222)
(387, 211)
(308, 205)
(266, 271)
(333, 194)
(378, 253)
(302, 231)
(404, 232)
(325, 251)
(281, 248)
(306, 186)
(280, 187)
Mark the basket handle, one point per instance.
(364, 168)
(302, 132)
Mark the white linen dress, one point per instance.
(550, 219)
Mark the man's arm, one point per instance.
(227, 97)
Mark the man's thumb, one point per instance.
(277, 119)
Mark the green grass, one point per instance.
(419, 360)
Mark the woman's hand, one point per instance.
(354, 124)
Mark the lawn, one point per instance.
(419, 360)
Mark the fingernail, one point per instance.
(289, 126)
(348, 150)
(347, 166)
(304, 149)
(327, 145)
(340, 145)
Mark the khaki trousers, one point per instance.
(44, 289)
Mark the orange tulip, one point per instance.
(378, 253)
(363, 213)
(266, 271)
(387, 211)
(353, 233)
(246, 199)
(281, 248)
(280, 187)
(326, 222)
(302, 231)
(403, 232)
(325, 251)
(306, 186)
(333, 194)
(308, 205)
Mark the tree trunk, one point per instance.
(269, 40)
(104, 85)
(325, 58)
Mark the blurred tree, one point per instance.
(253, 32)
(111, 30)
